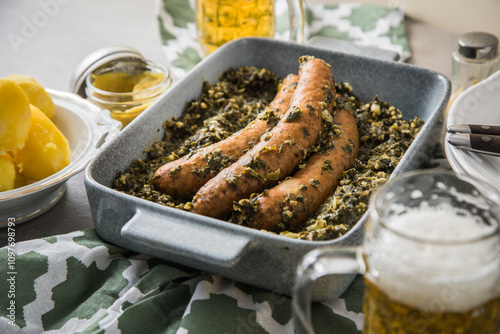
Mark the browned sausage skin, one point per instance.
(289, 204)
(187, 174)
(280, 150)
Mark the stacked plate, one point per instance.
(479, 104)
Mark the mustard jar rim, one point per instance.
(102, 57)
(166, 81)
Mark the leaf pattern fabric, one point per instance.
(363, 24)
(77, 283)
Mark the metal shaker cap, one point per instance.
(478, 45)
(105, 56)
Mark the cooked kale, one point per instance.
(239, 97)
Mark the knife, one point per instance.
(475, 128)
(480, 143)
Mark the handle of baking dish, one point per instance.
(181, 235)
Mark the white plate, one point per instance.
(86, 127)
(480, 104)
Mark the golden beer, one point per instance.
(445, 283)
(220, 21)
(384, 315)
(430, 258)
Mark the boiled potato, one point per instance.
(37, 95)
(7, 173)
(46, 151)
(20, 180)
(15, 116)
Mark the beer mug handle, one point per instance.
(318, 263)
(298, 28)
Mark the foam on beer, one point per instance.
(441, 278)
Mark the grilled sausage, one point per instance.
(289, 204)
(280, 150)
(187, 174)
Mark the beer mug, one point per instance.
(220, 21)
(430, 258)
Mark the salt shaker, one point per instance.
(475, 59)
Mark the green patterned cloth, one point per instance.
(362, 24)
(77, 283)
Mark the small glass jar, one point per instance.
(119, 79)
(127, 87)
(475, 59)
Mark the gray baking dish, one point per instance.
(236, 252)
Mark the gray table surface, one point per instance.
(47, 40)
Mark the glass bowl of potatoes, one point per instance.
(57, 146)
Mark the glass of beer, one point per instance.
(430, 258)
(220, 21)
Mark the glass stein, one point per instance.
(220, 21)
(430, 258)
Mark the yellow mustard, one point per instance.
(128, 88)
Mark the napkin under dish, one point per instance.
(78, 283)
